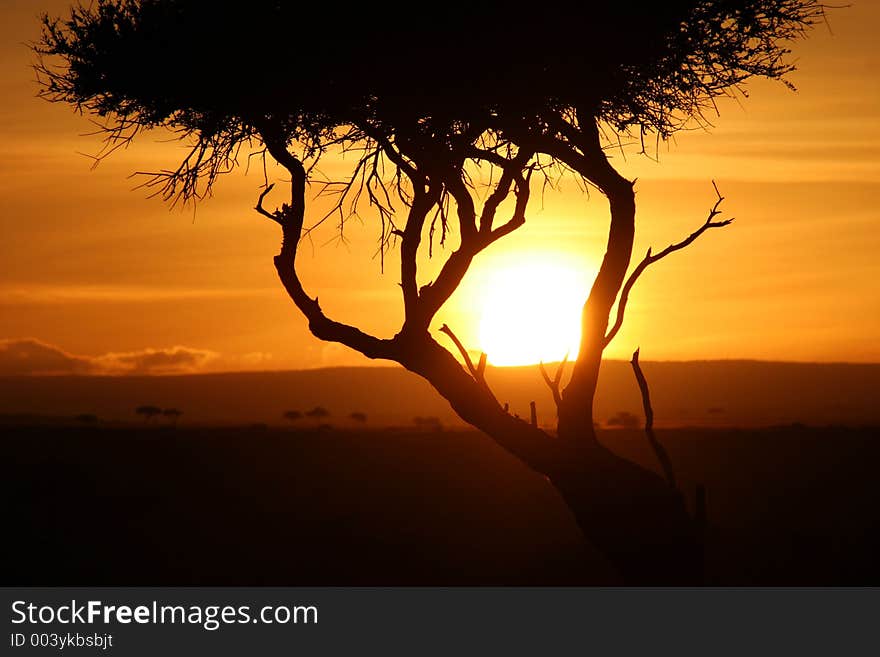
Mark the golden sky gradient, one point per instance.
(102, 272)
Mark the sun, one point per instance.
(529, 310)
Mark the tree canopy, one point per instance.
(224, 74)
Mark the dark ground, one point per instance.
(89, 506)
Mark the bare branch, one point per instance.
(554, 384)
(290, 217)
(650, 259)
(274, 216)
(659, 450)
(478, 372)
(464, 352)
(433, 296)
(424, 199)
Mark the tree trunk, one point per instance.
(576, 409)
(631, 515)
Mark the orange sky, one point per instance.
(99, 271)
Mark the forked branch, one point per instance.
(290, 218)
(650, 259)
(659, 450)
(277, 215)
(555, 382)
(478, 371)
(434, 295)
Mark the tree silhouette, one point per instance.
(318, 413)
(358, 417)
(624, 419)
(293, 416)
(149, 412)
(173, 414)
(457, 99)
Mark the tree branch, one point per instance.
(554, 383)
(479, 371)
(434, 295)
(464, 352)
(423, 200)
(290, 217)
(274, 216)
(659, 450)
(650, 259)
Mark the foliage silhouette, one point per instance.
(317, 413)
(624, 419)
(358, 417)
(453, 97)
(293, 416)
(173, 414)
(149, 412)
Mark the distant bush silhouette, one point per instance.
(149, 412)
(318, 412)
(357, 416)
(293, 416)
(173, 414)
(625, 420)
(87, 418)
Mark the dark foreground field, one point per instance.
(789, 506)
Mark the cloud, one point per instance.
(29, 356)
(175, 360)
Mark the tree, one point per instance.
(173, 414)
(149, 412)
(624, 419)
(358, 416)
(293, 416)
(456, 96)
(318, 413)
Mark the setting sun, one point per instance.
(530, 311)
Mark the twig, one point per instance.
(274, 216)
(650, 259)
(467, 359)
(478, 372)
(553, 383)
(659, 450)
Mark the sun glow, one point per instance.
(530, 311)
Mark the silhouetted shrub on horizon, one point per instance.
(318, 412)
(624, 420)
(149, 412)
